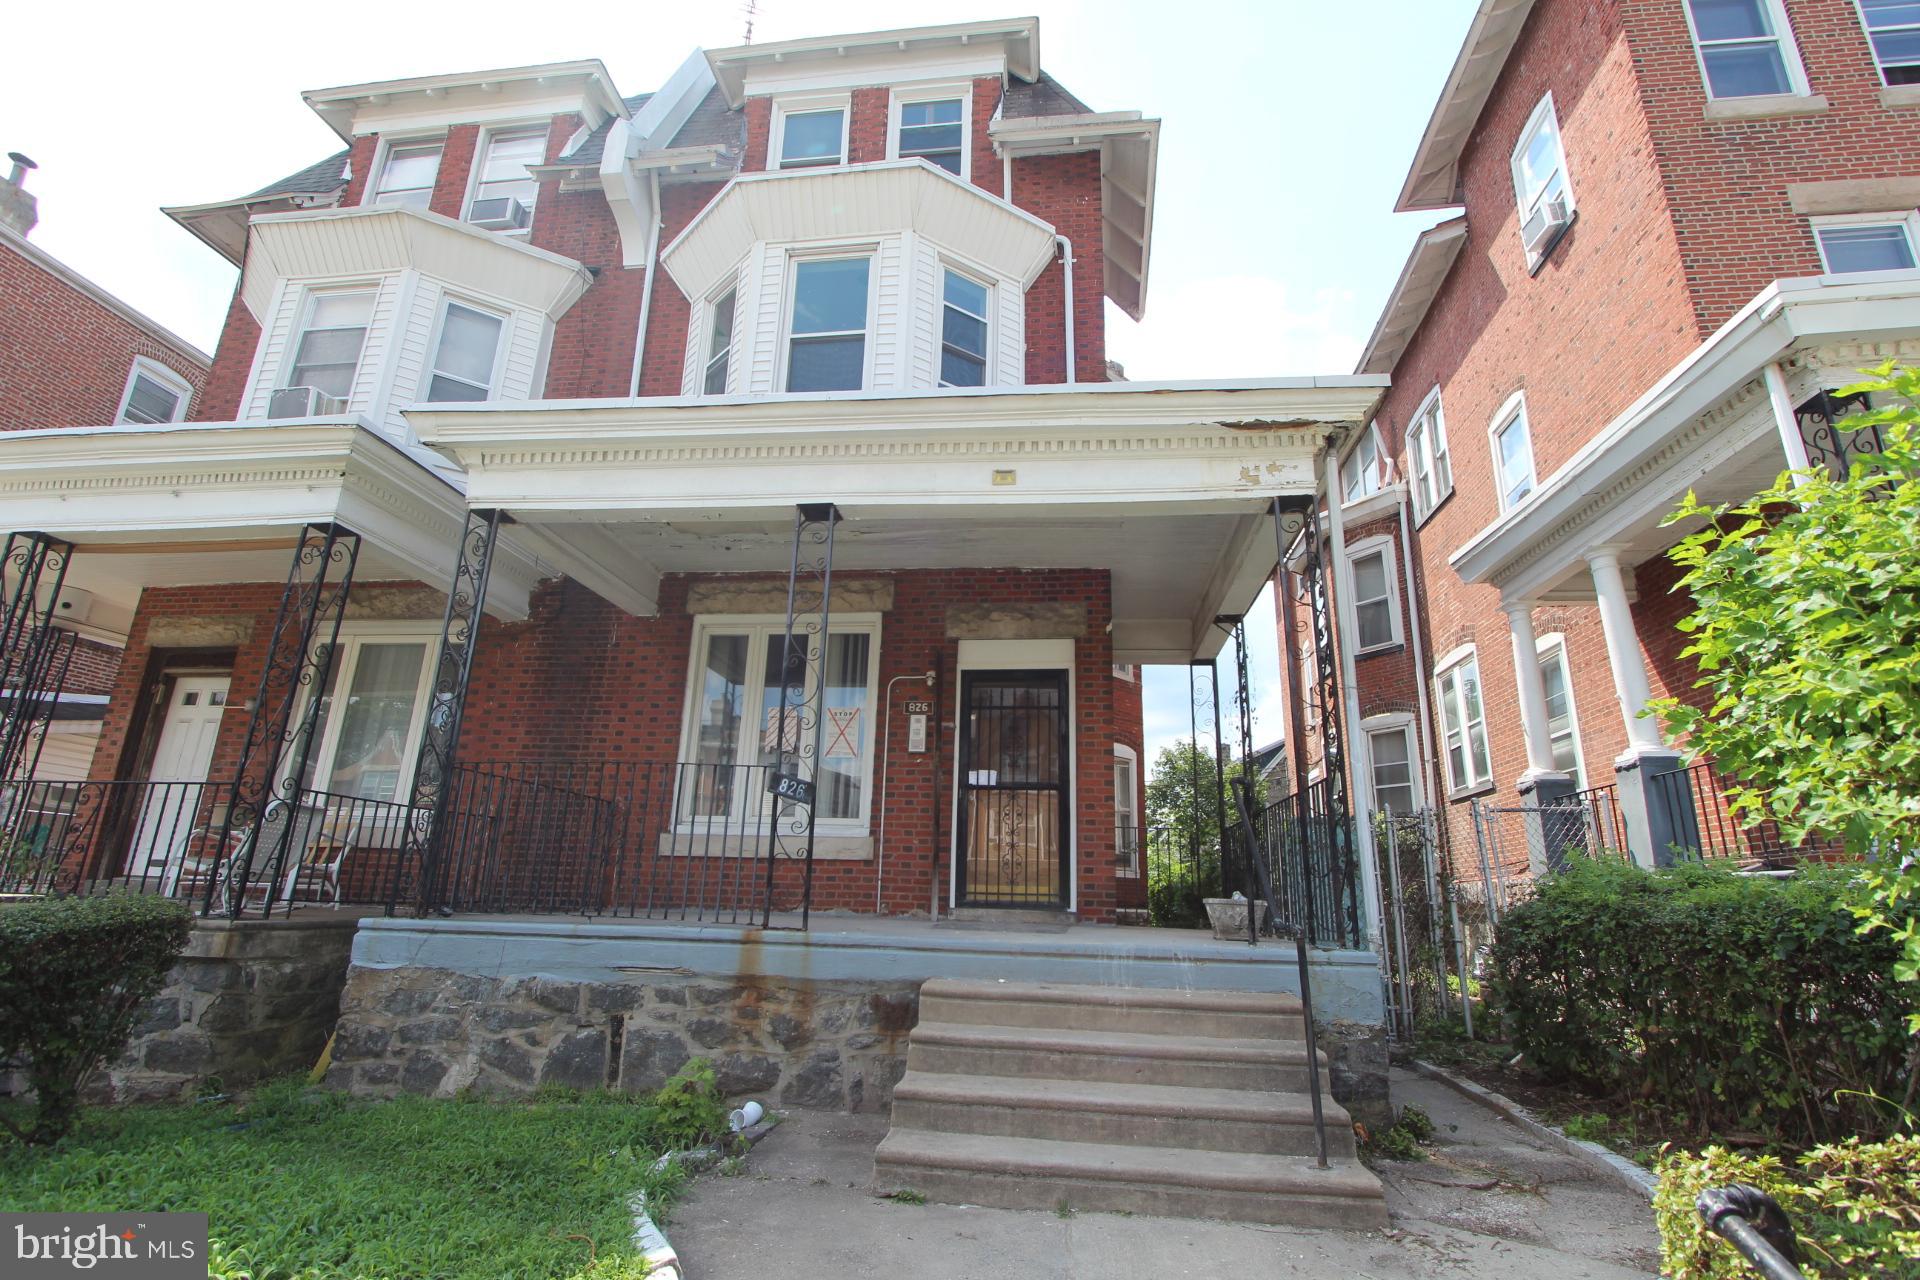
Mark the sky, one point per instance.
(1288, 128)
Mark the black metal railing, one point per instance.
(1306, 844)
(1697, 798)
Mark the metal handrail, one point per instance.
(1260, 889)
(1754, 1223)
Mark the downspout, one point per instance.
(1413, 630)
(1349, 696)
(1066, 260)
(646, 286)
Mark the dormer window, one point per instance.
(503, 196)
(933, 129)
(465, 355)
(327, 355)
(963, 331)
(810, 135)
(719, 344)
(407, 175)
(827, 342)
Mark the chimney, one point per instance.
(17, 207)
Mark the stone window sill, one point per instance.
(1467, 793)
(1900, 95)
(1767, 106)
(827, 848)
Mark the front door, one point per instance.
(182, 756)
(1014, 849)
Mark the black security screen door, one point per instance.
(1013, 789)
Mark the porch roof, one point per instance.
(211, 502)
(1166, 485)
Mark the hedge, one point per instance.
(1854, 1206)
(73, 974)
(1742, 1005)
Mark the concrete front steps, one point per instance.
(1123, 1099)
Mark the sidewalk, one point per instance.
(1489, 1204)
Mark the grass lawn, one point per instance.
(303, 1185)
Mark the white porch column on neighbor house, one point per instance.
(1659, 815)
(1792, 443)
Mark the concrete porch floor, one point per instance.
(1490, 1204)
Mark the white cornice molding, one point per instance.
(583, 86)
(1019, 37)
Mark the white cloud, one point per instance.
(1238, 325)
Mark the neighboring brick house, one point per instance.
(1681, 223)
(72, 354)
(868, 271)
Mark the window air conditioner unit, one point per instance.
(303, 402)
(1544, 227)
(499, 213)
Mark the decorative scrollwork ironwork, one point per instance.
(263, 800)
(425, 838)
(1830, 442)
(35, 566)
(795, 737)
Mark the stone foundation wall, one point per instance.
(830, 1045)
(248, 999)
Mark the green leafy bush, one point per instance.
(689, 1109)
(1742, 1004)
(1855, 1207)
(73, 973)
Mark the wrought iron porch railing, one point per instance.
(1305, 843)
(1703, 793)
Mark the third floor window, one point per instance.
(504, 195)
(812, 139)
(1893, 27)
(1746, 48)
(407, 175)
(934, 130)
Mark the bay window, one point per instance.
(719, 343)
(465, 355)
(827, 329)
(963, 331)
(327, 353)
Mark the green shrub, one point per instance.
(73, 973)
(691, 1112)
(1742, 1004)
(1855, 1207)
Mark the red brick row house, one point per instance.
(1675, 227)
(569, 399)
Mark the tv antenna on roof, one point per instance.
(752, 10)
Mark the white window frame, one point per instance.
(354, 636)
(987, 372)
(430, 368)
(1451, 666)
(477, 168)
(1908, 220)
(1128, 814)
(1783, 36)
(761, 630)
(1126, 671)
(1543, 113)
(1364, 467)
(777, 129)
(1554, 645)
(1427, 457)
(1874, 53)
(153, 370)
(1514, 411)
(1402, 723)
(866, 249)
(708, 353)
(1356, 552)
(961, 89)
(290, 358)
(370, 195)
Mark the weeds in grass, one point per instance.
(1406, 1139)
(906, 1196)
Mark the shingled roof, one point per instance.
(318, 178)
(1044, 97)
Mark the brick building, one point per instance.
(72, 354)
(1679, 226)
(628, 373)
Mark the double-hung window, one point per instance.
(1561, 729)
(1513, 477)
(327, 353)
(934, 129)
(366, 738)
(1867, 242)
(1427, 464)
(735, 721)
(1464, 722)
(963, 331)
(812, 139)
(504, 181)
(407, 175)
(827, 333)
(1376, 612)
(1893, 28)
(464, 358)
(1126, 809)
(1746, 48)
(154, 393)
(1391, 752)
(1540, 184)
(713, 381)
(1362, 474)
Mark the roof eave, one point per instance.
(1433, 180)
(336, 105)
(1021, 34)
(1433, 256)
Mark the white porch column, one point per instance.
(1792, 443)
(1623, 652)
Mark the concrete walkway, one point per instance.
(1489, 1204)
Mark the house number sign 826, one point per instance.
(789, 787)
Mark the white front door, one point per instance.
(181, 757)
